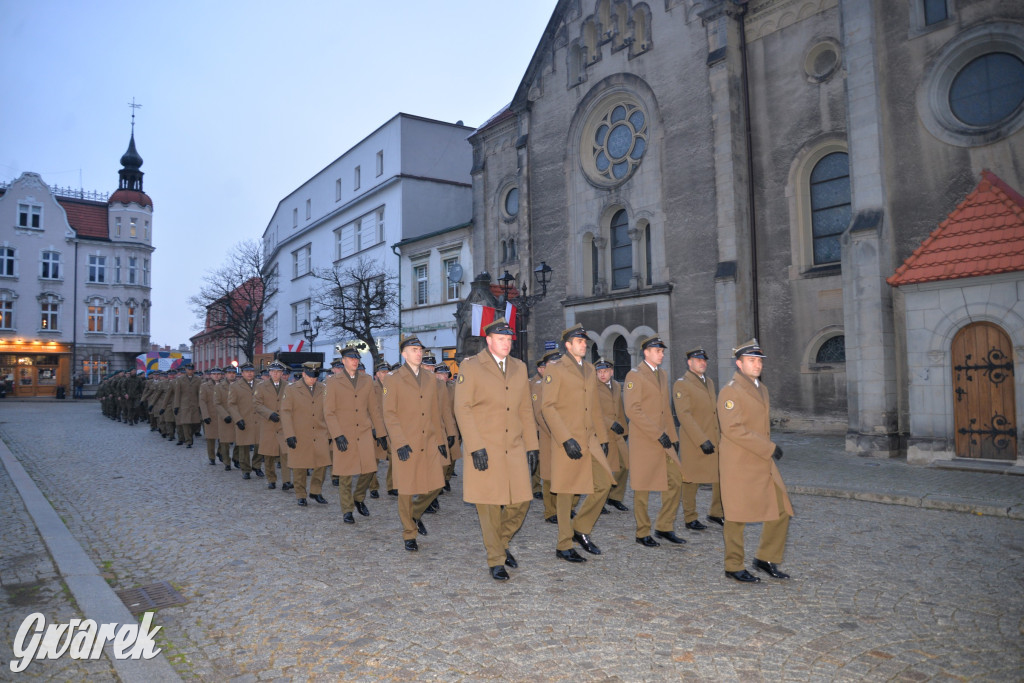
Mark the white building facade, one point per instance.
(408, 178)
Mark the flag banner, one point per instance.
(482, 317)
(159, 360)
(510, 317)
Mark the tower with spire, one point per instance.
(131, 209)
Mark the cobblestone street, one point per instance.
(880, 592)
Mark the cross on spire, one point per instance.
(133, 108)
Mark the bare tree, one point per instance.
(358, 300)
(233, 297)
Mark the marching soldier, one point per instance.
(380, 371)
(653, 460)
(302, 423)
(493, 408)
(267, 406)
(544, 435)
(208, 412)
(414, 429)
(447, 395)
(353, 416)
(579, 463)
(752, 488)
(243, 415)
(225, 430)
(166, 407)
(615, 420)
(186, 405)
(694, 399)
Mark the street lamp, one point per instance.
(524, 303)
(542, 274)
(310, 332)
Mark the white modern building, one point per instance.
(74, 280)
(410, 177)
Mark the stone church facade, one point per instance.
(716, 170)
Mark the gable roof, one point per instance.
(88, 219)
(984, 235)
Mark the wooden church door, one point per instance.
(984, 408)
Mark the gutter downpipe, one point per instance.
(751, 214)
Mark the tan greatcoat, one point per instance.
(494, 412)
(225, 432)
(208, 407)
(455, 452)
(302, 416)
(267, 400)
(543, 433)
(355, 413)
(748, 472)
(572, 410)
(650, 415)
(613, 411)
(412, 419)
(241, 407)
(186, 400)
(696, 408)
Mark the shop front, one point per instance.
(35, 369)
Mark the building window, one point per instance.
(145, 271)
(97, 268)
(622, 251)
(117, 227)
(594, 266)
(614, 141)
(355, 179)
(7, 261)
(295, 218)
(832, 351)
(454, 289)
(49, 310)
(380, 163)
(94, 369)
(419, 276)
(117, 319)
(511, 204)
(145, 230)
(337, 190)
(133, 269)
(300, 312)
(935, 11)
(988, 89)
(309, 208)
(96, 312)
(830, 205)
(30, 216)
(380, 225)
(145, 317)
(50, 265)
(300, 261)
(130, 329)
(621, 359)
(132, 228)
(270, 327)
(648, 255)
(117, 269)
(6, 311)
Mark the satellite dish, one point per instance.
(455, 274)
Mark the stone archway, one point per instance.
(984, 404)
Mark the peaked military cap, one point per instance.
(428, 359)
(574, 331)
(410, 340)
(698, 352)
(277, 365)
(549, 357)
(498, 326)
(247, 366)
(603, 363)
(214, 371)
(652, 341)
(749, 348)
(336, 362)
(382, 366)
(442, 369)
(311, 368)
(350, 352)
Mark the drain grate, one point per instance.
(153, 596)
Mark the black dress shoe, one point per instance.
(617, 504)
(669, 536)
(374, 494)
(604, 510)
(510, 561)
(235, 463)
(447, 486)
(538, 496)
(770, 568)
(421, 527)
(647, 541)
(499, 574)
(553, 519)
(272, 485)
(258, 472)
(434, 506)
(392, 492)
(179, 443)
(335, 481)
(227, 468)
(188, 445)
(411, 546)
(318, 498)
(302, 502)
(362, 509)
(720, 521)
(246, 475)
(213, 462)
(287, 486)
(586, 543)
(570, 555)
(696, 525)
(430, 511)
(743, 575)
(348, 518)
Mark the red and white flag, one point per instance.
(510, 317)
(482, 317)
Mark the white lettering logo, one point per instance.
(81, 639)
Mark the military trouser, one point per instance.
(666, 520)
(618, 491)
(410, 509)
(186, 430)
(224, 449)
(270, 463)
(773, 539)
(348, 498)
(389, 479)
(535, 482)
(689, 496)
(243, 454)
(167, 427)
(549, 499)
(499, 524)
(587, 516)
(315, 485)
(211, 448)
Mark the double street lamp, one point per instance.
(311, 331)
(524, 302)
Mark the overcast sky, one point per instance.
(241, 102)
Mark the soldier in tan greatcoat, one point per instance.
(653, 460)
(695, 402)
(165, 407)
(544, 435)
(752, 488)
(267, 405)
(187, 414)
(380, 371)
(243, 415)
(305, 431)
(494, 412)
(208, 411)
(579, 463)
(225, 430)
(418, 445)
(353, 416)
(614, 414)
(446, 393)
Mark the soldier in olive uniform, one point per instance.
(305, 430)
(694, 399)
(544, 435)
(208, 411)
(615, 420)
(752, 488)
(243, 415)
(187, 414)
(267, 406)
(166, 407)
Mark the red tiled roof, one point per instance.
(984, 235)
(129, 196)
(89, 219)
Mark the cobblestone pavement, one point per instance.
(881, 592)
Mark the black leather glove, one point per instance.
(176, 411)
(444, 451)
(383, 442)
(451, 441)
(572, 449)
(480, 459)
(404, 452)
(777, 454)
(707, 447)
(341, 442)
(206, 421)
(227, 419)
(241, 425)
(675, 446)
(665, 441)
(617, 428)
(274, 417)
(604, 447)
(161, 411)
(291, 441)
(533, 460)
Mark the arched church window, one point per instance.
(620, 358)
(830, 205)
(832, 351)
(647, 254)
(622, 251)
(614, 141)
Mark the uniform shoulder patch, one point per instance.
(629, 385)
(535, 397)
(679, 394)
(385, 392)
(729, 405)
(547, 379)
(462, 378)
